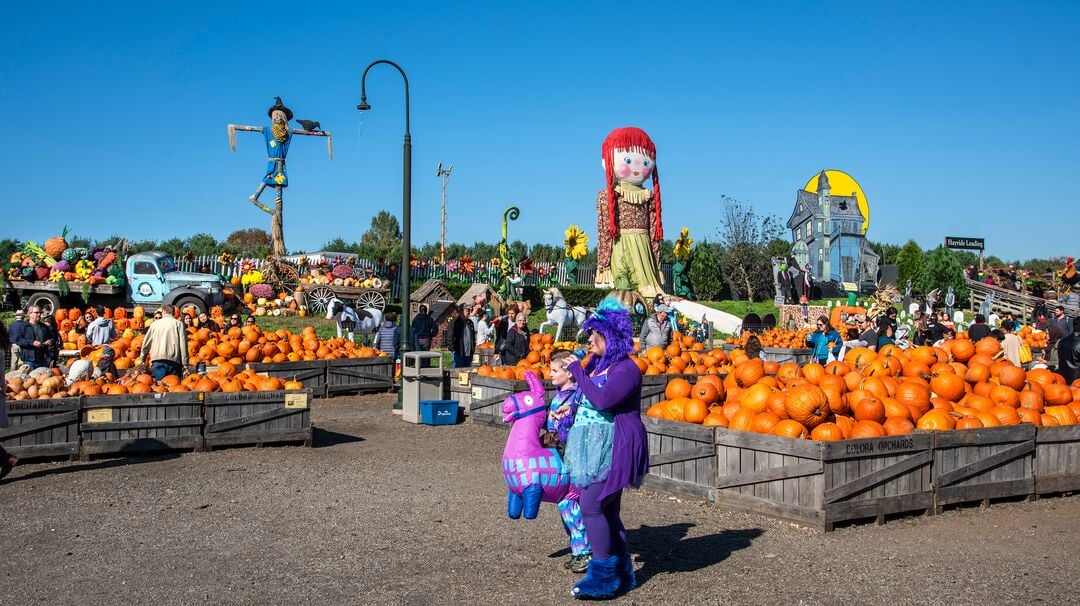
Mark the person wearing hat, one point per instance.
(656, 330)
(101, 330)
(607, 449)
(83, 369)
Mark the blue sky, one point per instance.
(957, 118)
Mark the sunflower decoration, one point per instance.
(303, 262)
(189, 256)
(246, 266)
(467, 264)
(350, 261)
(225, 259)
(682, 245)
(576, 242)
(526, 265)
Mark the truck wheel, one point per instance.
(47, 301)
(199, 306)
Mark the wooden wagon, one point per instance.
(319, 296)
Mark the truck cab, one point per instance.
(154, 280)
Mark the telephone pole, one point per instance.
(445, 174)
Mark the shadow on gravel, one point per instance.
(322, 438)
(666, 548)
(91, 466)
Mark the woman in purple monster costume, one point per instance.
(607, 449)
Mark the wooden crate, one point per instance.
(780, 355)
(258, 417)
(972, 465)
(454, 388)
(135, 423)
(363, 375)
(42, 428)
(311, 373)
(487, 356)
(821, 483)
(1057, 459)
(682, 457)
(488, 394)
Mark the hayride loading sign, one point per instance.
(965, 243)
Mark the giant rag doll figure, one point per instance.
(629, 224)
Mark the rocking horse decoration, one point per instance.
(350, 321)
(533, 474)
(559, 312)
(278, 136)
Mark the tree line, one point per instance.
(734, 262)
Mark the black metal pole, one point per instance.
(406, 201)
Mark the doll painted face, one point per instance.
(632, 165)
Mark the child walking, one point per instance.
(557, 429)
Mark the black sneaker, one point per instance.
(579, 563)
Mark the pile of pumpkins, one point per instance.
(281, 304)
(684, 356)
(253, 344)
(226, 378)
(538, 360)
(962, 385)
(774, 337)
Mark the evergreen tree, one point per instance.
(910, 262)
(704, 272)
(942, 270)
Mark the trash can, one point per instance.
(422, 379)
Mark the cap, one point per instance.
(663, 308)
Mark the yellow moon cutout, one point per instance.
(841, 184)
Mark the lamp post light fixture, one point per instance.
(406, 201)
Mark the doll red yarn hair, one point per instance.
(635, 139)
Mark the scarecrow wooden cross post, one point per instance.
(278, 136)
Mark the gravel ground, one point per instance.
(384, 512)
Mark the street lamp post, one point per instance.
(406, 199)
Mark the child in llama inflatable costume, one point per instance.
(534, 473)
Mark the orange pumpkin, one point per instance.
(807, 405)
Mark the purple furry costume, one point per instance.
(612, 385)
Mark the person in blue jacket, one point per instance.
(824, 339)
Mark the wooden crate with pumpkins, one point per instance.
(1057, 460)
(42, 428)
(141, 422)
(257, 418)
(795, 445)
(819, 483)
(311, 373)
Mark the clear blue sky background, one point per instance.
(957, 118)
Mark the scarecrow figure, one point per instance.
(278, 136)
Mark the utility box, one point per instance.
(422, 379)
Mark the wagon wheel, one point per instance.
(318, 299)
(371, 299)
